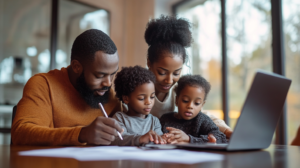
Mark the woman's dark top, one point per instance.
(197, 128)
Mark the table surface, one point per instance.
(274, 156)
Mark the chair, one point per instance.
(12, 119)
(296, 141)
(13, 114)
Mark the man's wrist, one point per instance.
(81, 137)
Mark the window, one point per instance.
(24, 45)
(73, 22)
(248, 45)
(291, 25)
(25, 31)
(248, 48)
(205, 52)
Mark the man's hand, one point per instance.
(152, 136)
(101, 131)
(176, 136)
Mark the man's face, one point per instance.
(96, 79)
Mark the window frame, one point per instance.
(278, 58)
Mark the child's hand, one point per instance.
(177, 136)
(153, 137)
(211, 138)
(228, 133)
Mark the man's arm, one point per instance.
(33, 123)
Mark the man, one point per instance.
(61, 107)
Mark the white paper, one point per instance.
(126, 153)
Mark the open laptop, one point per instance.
(259, 116)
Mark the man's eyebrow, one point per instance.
(115, 71)
(103, 73)
(168, 70)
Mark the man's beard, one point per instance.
(89, 95)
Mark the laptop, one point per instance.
(259, 116)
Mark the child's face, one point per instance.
(190, 102)
(141, 100)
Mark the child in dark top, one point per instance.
(134, 86)
(190, 125)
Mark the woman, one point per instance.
(167, 38)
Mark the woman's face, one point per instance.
(167, 71)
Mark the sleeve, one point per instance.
(220, 123)
(114, 104)
(162, 121)
(33, 123)
(157, 126)
(208, 127)
(128, 139)
(200, 139)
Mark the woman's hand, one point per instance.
(177, 136)
(152, 136)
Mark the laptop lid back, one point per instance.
(260, 113)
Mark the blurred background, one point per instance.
(36, 36)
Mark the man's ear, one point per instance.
(76, 67)
(149, 64)
(125, 99)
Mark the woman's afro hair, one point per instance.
(129, 78)
(193, 80)
(168, 29)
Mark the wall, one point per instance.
(164, 7)
(128, 22)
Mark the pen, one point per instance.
(102, 108)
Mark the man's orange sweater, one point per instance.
(52, 112)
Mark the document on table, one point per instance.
(126, 153)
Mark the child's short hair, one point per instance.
(129, 78)
(193, 80)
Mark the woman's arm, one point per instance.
(223, 127)
(209, 127)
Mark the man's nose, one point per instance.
(107, 81)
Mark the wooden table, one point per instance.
(274, 156)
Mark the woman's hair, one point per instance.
(129, 78)
(195, 81)
(167, 34)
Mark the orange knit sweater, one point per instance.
(51, 111)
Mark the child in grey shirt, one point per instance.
(134, 86)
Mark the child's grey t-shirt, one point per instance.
(135, 127)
